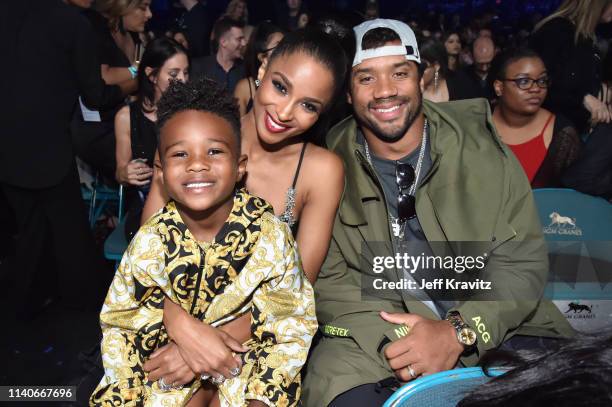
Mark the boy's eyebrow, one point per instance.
(172, 145)
(216, 140)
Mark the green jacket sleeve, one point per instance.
(517, 267)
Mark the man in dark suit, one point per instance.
(225, 65)
(49, 60)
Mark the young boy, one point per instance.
(216, 251)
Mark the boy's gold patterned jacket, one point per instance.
(252, 266)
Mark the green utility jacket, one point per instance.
(476, 191)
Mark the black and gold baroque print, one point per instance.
(198, 272)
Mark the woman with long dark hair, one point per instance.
(163, 61)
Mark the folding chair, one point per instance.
(578, 231)
(442, 389)
(116, 243)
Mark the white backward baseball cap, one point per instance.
(409, 45)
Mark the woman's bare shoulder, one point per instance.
(322, 166)
(123, 114)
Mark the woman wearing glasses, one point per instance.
(261, 44)
(544, 143)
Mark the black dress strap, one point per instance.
(297, 170)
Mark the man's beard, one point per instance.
(391, 136)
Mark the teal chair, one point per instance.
(442, 389)
(116, 243)
(578, 232)
(99, 197)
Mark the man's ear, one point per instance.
(349, 98)
(422, 84)
(242, 163)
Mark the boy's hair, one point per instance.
(203, 95)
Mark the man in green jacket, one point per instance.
(421, 175)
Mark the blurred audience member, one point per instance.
(289, 14)
(372, 10)
(452, 43)
(225, 64)
(117, 24)
(38, 174)
(180, 36)
(591, 173)
(565, 40)
(263, 41)
(544, 143)
(196, 22)
(163, 61)
(483, 52)
(439, 83)
(237, 10)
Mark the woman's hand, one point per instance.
(205, 349)
(599, 111)
(167, 363)
(136, 172)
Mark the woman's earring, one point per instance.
(257, 83)
(436, 79)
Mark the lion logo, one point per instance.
(557, 219)
(578, 308)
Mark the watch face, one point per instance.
(467, 336)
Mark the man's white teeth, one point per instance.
(391, 109)
(199, 184)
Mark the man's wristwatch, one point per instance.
(465, 335)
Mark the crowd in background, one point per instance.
(547, 78)
(546, 73)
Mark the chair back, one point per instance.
(441, 389)
(578, 231)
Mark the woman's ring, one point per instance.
(235, 371)
(412, 372)
(218, 380)
(162, 385)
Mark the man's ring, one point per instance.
(411, 372)
(162, 385)
(218, 380)
(235, 371)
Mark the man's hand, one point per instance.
(430, 347)
(167, 363)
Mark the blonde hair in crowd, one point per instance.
(585, 15)
(115, 9)
(230, 10)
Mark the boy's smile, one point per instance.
(200, 166)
